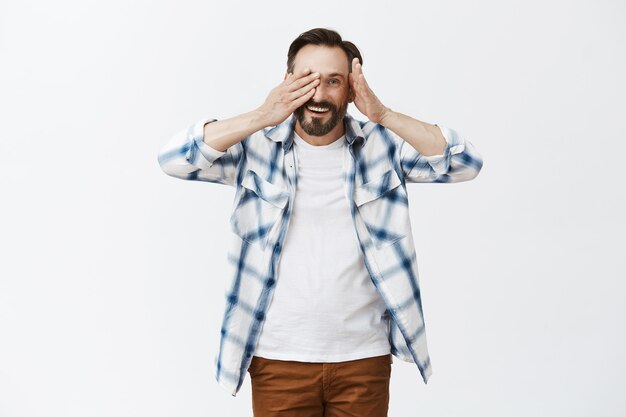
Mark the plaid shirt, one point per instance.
(263, 170)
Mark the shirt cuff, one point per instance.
(454, 144)
(209, 154)
(433, 158)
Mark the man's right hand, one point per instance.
(286, 97)
(293, 92)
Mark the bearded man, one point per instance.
(323, 284)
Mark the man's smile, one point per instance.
(318, 109)
(317, 113)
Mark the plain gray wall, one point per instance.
(112, 273)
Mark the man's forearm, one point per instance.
(223, 134)
(426, 138)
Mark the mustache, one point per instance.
(320, 104)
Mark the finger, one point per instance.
(289, 78)
(299, 83)
(356, 66)
(364, 82)
(358, 72)
(300, 101)
(299, 75)
(303, 90)
(355, 79)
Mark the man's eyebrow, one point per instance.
(335, 74)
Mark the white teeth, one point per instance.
(318, 109)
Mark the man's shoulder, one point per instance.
(379, 138)
(260, 139)
(271, 136)
(369, 129)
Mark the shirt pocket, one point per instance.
(383, 206)
(258, 207)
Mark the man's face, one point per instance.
(332, 93)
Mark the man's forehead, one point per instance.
(327, 61)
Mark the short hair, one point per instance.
(324, 37)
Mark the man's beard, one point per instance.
(317, 127)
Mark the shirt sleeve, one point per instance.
(187, 157)
(459, 162)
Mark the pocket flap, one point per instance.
(377, 187)
(269, 192)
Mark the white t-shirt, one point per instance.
(325, 307)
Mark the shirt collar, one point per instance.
(284, 131)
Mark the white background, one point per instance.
(112, 273)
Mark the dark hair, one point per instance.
(325, 37)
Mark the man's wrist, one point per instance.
(387, 115)
(259, 119)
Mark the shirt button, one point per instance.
(259, 315)
(270, 282)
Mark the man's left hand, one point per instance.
(364, 98)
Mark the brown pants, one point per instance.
(357, 388)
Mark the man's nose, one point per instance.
(320, 93)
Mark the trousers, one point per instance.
(355, 388)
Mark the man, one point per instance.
(324, 283)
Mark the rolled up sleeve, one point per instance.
(460, 161)
(187, 157)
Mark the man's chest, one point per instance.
(363, 183)
(320, 182)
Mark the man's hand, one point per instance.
(293, 92)
(364, 98)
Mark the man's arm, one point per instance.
(188, 156)
(432, 153)
(425, 138)
(427, 153)
(221, 135)
(459, 161)
(211, 150)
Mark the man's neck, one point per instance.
(328, 138)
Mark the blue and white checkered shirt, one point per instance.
(263, 170)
